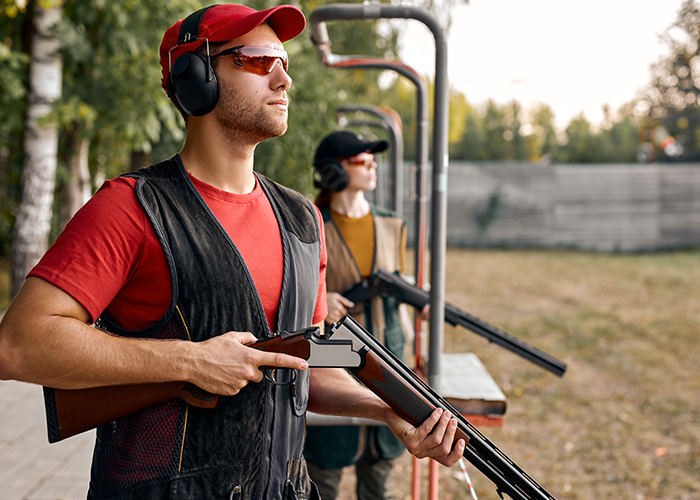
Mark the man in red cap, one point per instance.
(184, 264)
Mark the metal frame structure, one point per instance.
(369, 11)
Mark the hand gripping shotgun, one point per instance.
(345, 345)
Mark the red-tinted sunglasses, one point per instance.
(255, 59)
(360, 161)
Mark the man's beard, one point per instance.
(243, 118)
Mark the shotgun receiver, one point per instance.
(414, 400)
(384, 282)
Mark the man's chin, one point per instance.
(279, 131)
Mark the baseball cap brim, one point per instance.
(373, 147)
(345, 144)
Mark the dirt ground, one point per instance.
(623, 423)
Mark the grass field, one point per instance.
(624, 421)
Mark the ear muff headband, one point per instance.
(192, 79)
(330, 175)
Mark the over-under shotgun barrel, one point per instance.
(414, 400)
(384, 282)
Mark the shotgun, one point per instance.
(384, 282)
(345, 345)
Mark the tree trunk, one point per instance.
(33, 222)
(77, 191)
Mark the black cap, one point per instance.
(344, 144)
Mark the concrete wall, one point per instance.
(604, 207)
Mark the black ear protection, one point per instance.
(192, 79)
(330, 175)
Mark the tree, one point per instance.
(674, 93)
(471, 145)
(33, 221)
(516, 143)
(542, 141)
(495, 128)
(581, 145)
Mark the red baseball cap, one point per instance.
(227, 21)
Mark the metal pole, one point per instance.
(389, 123)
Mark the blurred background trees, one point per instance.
(111, 115)
(672, 101)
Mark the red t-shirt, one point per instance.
(108, 256)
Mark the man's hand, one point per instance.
(227, 364)
(337, 306)
(433, 439)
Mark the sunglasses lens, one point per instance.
(261, 60)
(360, 161)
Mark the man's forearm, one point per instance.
(333, 391)
(45, 338)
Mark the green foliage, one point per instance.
(497, 132)
(14, 68)
(112, 77)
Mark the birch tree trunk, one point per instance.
(33, 222)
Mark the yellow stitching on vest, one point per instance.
(184, 431)
(187, 330)
(187, 407)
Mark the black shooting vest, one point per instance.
(250, 445)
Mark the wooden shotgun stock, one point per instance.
(414, 400)
(72, 411)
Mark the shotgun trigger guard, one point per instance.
(199, 393)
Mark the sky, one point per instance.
(573, 55)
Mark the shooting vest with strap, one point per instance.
(332, 447)
(250, 445)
